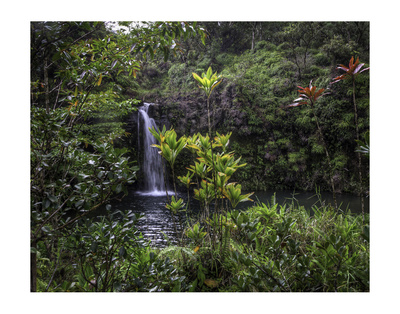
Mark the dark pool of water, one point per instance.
(157, 225)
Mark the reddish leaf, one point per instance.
(318, 93)
(342, 67)
(351, 62)
(339, 78)
(307, 94)
(351, 71)
(312, 91)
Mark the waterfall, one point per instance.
(152, 161)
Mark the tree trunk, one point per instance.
(358, 153)
(252, 39)
(327, 156)
(33, 268)
(208, 115)
(46, 84)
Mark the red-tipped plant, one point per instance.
(351, 72)
(308, 96)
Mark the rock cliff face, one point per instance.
(187, 114)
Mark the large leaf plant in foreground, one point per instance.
(308, 96)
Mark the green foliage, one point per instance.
(208, 81)
(265, 248)
(298, 252)
(196, 233)
(169, 146)
(83, 79)
(233, 194)
(110, 255)
(258, 84)
(176, 205)
(103, 249)
(364, 145)
(76, 115)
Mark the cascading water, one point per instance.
(152, 161)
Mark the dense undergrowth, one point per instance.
(265, 248)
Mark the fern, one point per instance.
(225, 244)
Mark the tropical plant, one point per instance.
(196, 233)
(208, 81)
(169, 147)
(351, 73)
(234, 194)
(308, 96)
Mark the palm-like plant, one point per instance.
(234, 194)
(205, 194)
(207, 83)
(308, 96)
(169, 147)
(196, 233)
(351, 72)
(175, 205)
(223, 140)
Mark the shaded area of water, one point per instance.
(157, 224)
(310, 199)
